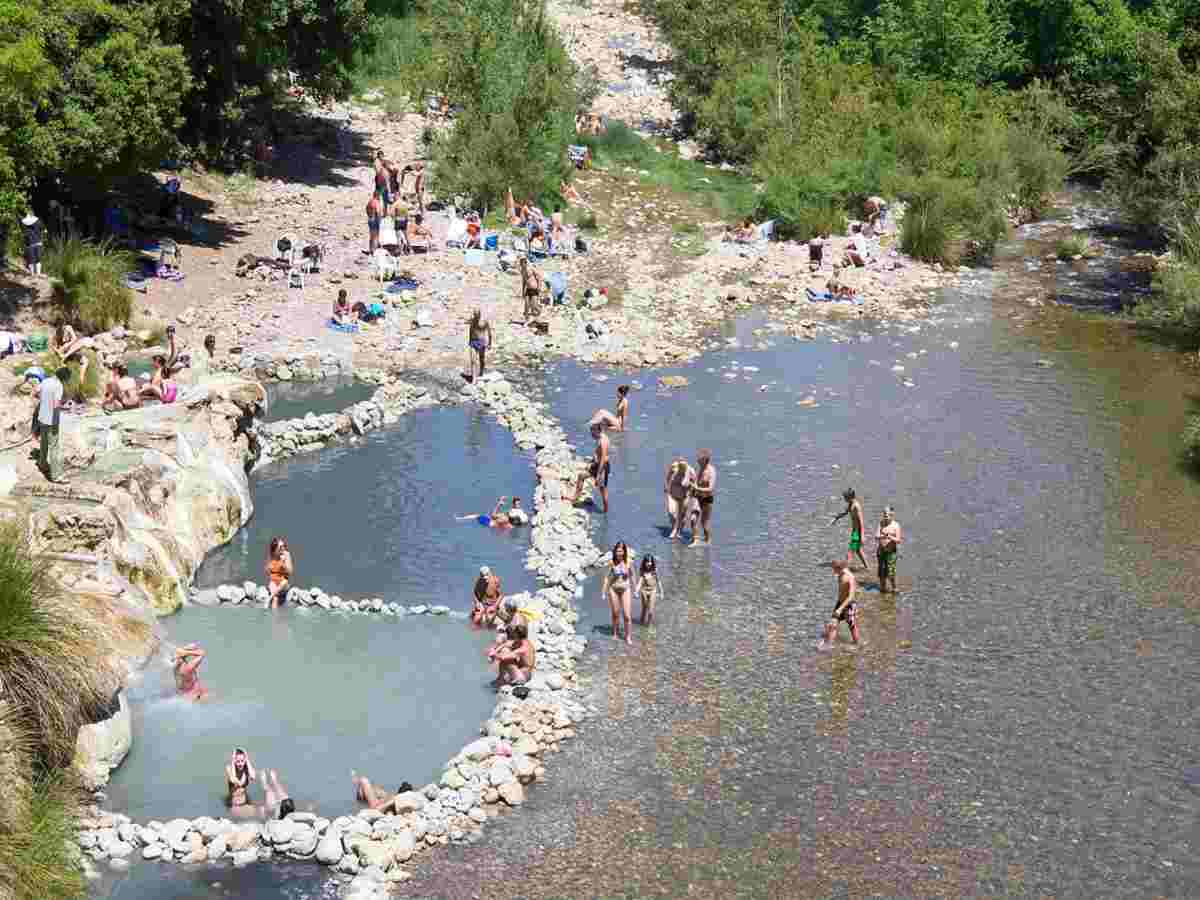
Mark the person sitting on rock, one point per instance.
(122, 391)
(187, 662)
(160, 387)
(374, 796)
(342, 313)
(488, 596)
(516, 657)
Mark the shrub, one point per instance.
(1070, 247)
(927, 232)
(1175, 302)
(54, 661)
(1191, 442)
(38, 857)
(89, 289)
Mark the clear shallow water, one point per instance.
(295, 399)
(1021, 720)
(376, 518)
(311, 694)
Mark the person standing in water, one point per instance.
(618, 422)
(239, 775)
(854, 510)
(887, 542)
(845, 610)
(279, 569)
(618, 588)
(677, 488)
(479, 341)
(648, 588)
(187, 661)
(599, 468)
(705, 491)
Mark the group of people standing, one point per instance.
(888, 537)
(385, 199)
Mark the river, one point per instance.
(1020, 720)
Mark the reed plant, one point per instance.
(89, 289)
(39, 855)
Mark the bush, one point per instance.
(1070, 247)
(89, 290)
(1175, 302)
(38, 857)
(1191, 442)
(54, 661)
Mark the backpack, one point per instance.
(284, 245)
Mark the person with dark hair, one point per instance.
(845, 610)
(279, 568)
(33, 230)
(854, 510)
(614, 422)
(515, 657)
(648, 588)
(50, 400)
(618, 589)
(160, 388)
(121, 392)
(279, 803)
(374, 796)
(342, 313)
(599, 469)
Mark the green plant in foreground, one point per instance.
(38, 857)
(89, 289)
(1070, 247)
(53, 658)
(1191, 442)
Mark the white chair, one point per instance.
(285, 250)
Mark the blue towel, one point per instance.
(346, 329)
(402, 284)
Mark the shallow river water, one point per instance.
(1020, 720)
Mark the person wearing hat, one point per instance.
(487, 597)
(854, 510)
(34, 232)
(887, 542)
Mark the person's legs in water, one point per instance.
(365, 792)
(627, 613)
(706, 507)
(614, 606)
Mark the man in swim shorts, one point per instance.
(854, 510)
(704, 491)
(887, 542)
(846, 609)
(598, 469)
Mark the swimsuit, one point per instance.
(477, 345)
(601, 477)
(887, 564)
(849, 615)
(856, 540)
(620, 578)
(649, 588)
(277, 576)
(485, 520)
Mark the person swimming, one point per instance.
(497, 518)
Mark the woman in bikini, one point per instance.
(279, 570)
(374, 796)
(239, 775)
(647, 588)
(160, 387)
(619, 590)
(516, 656)
(531, 289)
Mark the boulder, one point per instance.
(280, 831)
(409, 801)
(303, 843)
(245, 857)
(329, 848)
(217, 848)
(152, 851)
(101, 746)
(176, 830)
(512, 793)
(242, 838)
(501, 773)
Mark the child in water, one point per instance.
(648, 588)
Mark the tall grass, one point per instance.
(54, 660)
(396, 60)
(729, 195)
(38, 858)
(1072, 246)
(1191, 442)
(89, 289)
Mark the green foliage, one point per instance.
(396, 57)
(89, 290)
(504, 64)
(962, 41)
(1191, 442)
(37, 856)
(88, 91)
(728, 194)
(1070, 247)
(51, 663)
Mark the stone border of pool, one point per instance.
(490, 772)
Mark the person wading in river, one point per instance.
(187, 681)
(846, 610)
(599, 468)
(854, 510)
(677, 488)
(887, 543)
(279, 570)
(704, 490)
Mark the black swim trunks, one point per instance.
(602, 477)
(705, 500)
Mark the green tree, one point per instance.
(957, 40)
